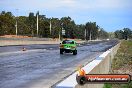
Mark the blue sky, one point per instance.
(109, 14)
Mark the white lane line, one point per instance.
(50, 48)
(16, 52)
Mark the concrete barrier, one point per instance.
(25, 42)
(28, 42)
(101, 65)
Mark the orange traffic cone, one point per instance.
(23, 49)
(81, 71)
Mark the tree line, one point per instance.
(125, 33)
(49, 27)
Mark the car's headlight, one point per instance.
(61, 46)
(73, 47)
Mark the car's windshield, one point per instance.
(68, 42)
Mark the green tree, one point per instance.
(23, 28)
(69, 26)
(31, 22)
(27, 25)
(7, 23)
(44, 26)
(103, 34)
(91, 30)
(55, 28)
(111, 35)
(119, 34)
(79, 31)
(127, 33)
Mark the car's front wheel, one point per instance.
(75, 52)
(61, 51)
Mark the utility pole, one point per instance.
(16, 20)
(59, 36)
(60, 32)
(98, 34)
(37, 22)
(90, 35)
(50, 26)
(16, 26)
(85, 34)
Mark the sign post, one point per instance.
(63, 32)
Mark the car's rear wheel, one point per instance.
(61, 51)
(75, 52)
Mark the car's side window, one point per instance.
(72, 42)
(64, 42)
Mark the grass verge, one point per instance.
(122, 63)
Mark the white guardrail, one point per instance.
(101, 65)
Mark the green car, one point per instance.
(68, 46)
